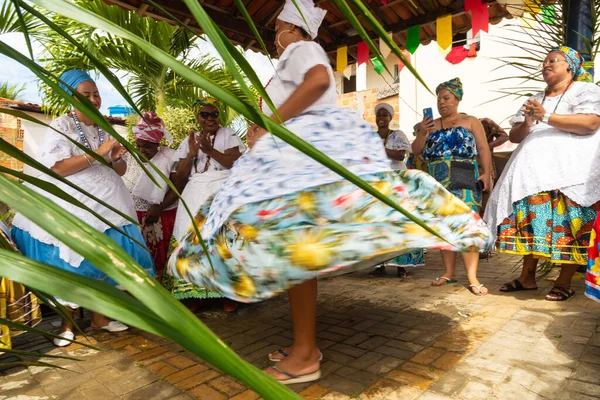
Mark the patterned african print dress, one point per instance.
(282, 218)
(447, 145)
(592, 277)
(548, 196)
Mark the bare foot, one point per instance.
(230, 305)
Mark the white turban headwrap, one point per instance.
(313, 16)
(386, 107)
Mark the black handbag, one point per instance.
(462, 175)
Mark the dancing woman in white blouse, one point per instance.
(63, 157)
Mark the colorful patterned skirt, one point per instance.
(158, 237)
(550, 226)
(180, 288)
(592, 277)
(266, 247)
(440, 169)
(413, 259)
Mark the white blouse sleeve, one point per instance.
(588, 100)
(57, 147)
(233, 140)
(182, 150)
(398, 142)
(302, 58)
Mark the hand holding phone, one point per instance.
(428, 124)
(427, 113)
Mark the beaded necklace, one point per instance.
(82, 137)
(559, 99)
(260, 102)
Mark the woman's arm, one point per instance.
(153, 213)
(485, 154)
(578, 124)
(227, 158)
(519, 132)
(397, 155)
(427, 125)
(74, 164)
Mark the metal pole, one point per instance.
(579, 26)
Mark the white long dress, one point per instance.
(205, 180)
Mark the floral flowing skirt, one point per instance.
(592, 277)
(266, 247)
(158, 237)
(548, 225)
(180, 288)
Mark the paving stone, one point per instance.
(205, 392)
(422, 370)
(395, 352)
(337, 357)
(342, 385)
(584, 388)
(162, 369)
(313, 392)
(227, 386)
(246, 395)
(197, 379)
(357, 339)
(427, 356)
(366, 360)
(348, 350)
(180, 362)
(448, 360)
(336, 396)
(406, 378)
(361, 376)
(475, 390)
(186, 373)
(121, 382)
(373, 342)
(159, 390)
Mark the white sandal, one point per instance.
(292, 379)
(67, 336)
(478, 287)
(115, 326)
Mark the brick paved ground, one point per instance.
(381, 338)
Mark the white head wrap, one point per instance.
(313, 16)
(386, 107)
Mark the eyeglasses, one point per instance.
(551, 62)
(205, 114)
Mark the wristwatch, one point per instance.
(546, 117)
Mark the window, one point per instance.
(349, 85)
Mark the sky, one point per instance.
(15, 73)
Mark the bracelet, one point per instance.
(87, 158)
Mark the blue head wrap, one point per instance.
(454, 86)
(73, 78)
(576, 63)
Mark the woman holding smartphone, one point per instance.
(449, 146)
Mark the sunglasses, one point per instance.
(205, 115)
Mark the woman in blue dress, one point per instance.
(450, 145)
(62, 156)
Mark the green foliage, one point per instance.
(179, 122)
(12, 92)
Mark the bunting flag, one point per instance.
(383, 48)
(413, 38)
(470, 5)
(342, 58)
(377, 65)
(362, 53)
(457, 55)
(480, 18)
(406, 54)
(444, 31)
(348, 72)
(548, 14)
(532, 6)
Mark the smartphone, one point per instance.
(479, 186)
(428, 112)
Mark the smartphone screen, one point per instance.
(428, 112)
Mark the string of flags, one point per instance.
(450, 46)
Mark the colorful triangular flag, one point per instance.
(362, 53)
(444, 31)
(413, 38)
(342, 58)
(480, 18)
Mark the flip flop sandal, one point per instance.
(67, 338)
(472, 288)
(561, 293)
(515, 286)
(284, 354)
(447, 281)
(292, 379)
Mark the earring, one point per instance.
(568, 69)
(279, 37)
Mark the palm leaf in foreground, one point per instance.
(156, 310)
